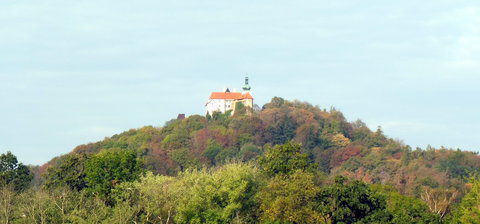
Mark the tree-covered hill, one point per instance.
(288, 162)
(333, 144)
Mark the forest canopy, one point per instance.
(288, 162)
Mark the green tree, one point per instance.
(156, 196)
(8, 201)
(37, 207)
(89, 210)
(376, 139)
(222, 119)
(249, 152)
(403, 209)
(225, 155)
(282, 131)
(123, 212)
(109, 168)
(284, 160)
(65, 203)
(350, 202)
(290, 199)
(59, 205)
(276, 102)
(240, 109)
(184, 159)
(14, 173)
(456, 165)
(469, 209)
(213, 148)
(307, 134)
(69, 171)
(224, 196)
(177, 140)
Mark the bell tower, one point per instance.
(246, 87)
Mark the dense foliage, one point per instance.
(13, 174)
(289, 162)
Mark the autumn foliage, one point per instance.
(287, 158)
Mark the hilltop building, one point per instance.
(227, 100)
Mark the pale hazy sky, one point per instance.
(73, 72)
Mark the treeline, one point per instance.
(289, 162)
(281, 187)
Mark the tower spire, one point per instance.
(246, 87)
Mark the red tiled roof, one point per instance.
(247, 96)
(230, 96)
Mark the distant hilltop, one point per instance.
(284, 147)
(230, 102)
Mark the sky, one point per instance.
(74, 72)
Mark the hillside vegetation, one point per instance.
(288, 162)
